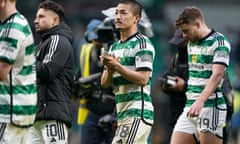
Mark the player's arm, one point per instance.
(4, 70)
(216, 77)
(106, 79)
(139, 77)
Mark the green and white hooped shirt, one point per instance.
(17, 49)
(215, 48)
(132, 100)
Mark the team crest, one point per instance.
(194, 58)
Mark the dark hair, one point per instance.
(53, 6)
(136, 7)
(188, 15)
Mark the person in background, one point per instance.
(208, 56)
(96, 126)
(54, 76)
(128, 65)
(18, 92)
(174, 81)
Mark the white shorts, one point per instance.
(132, 131)
(47, 131)
(10, 134)
(211, 119)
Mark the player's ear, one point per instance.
(137, 19)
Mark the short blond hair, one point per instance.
(188, 15)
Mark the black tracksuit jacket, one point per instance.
(55, 74)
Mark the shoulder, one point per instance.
(142, 41)
(60, 39)
(219, 38)
(20, 23)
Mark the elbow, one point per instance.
(3, 77)
(218, 77)
(103, 85)
(143, 82)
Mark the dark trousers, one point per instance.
(92, 133)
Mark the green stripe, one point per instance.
(18, 110)
(203, 59)
(119, 46)
(23, 28)
(27, 89)
(222, 48)
(26, 70)
(130, 61)
(144, 52)
(5, 59)
(200, 74)
(11, 41)
(199, 89)
(147, 114)
(30, 49)
(209, 102)
(122, 81)
(209, 43)
(205, 43)
(132, 96)
(129, 44)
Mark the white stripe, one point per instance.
(16, 34)
(22, 21)
(200, 67)
(19, 99)
(53, 46)
(29, 60)
(2, 129)
(194, 96)
(133, 131)
(29, 40)
(126, 89)
(197, 81)
(134, 105)
(24, 80)
(25, 120)
(200, 81)
(52, 49)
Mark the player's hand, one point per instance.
(196, 108)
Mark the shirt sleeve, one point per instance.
(222, 52)
(144, 56)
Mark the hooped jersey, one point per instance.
(215, 48)
(17, 49)
(132, 100)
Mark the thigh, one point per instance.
(132, 130)
(10, 134)
(210, 125)
(185, 130)
(212, 120)
(54, 132)
(209, 138)
(182, 138)
(33, 135)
